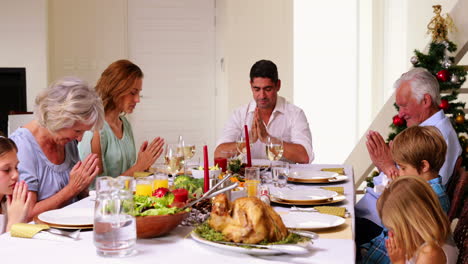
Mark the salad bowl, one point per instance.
(158, 225)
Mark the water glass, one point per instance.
(126, 182)
(252, 181)
(280, 174)
(114, 220)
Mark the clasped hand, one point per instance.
(149, 153)
(380, 154)
(258, 130)
(83, 173)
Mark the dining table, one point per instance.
(334, 245)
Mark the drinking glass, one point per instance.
(240, 145)
(174, 159)
(280, 174)
(187, 149)
(252, 181)
(160, 177)
(114, 222)
(274, 148)
(126, 182)
(144, 186)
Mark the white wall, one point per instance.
(23, 27)
(86, 36)
(248, 31)
(325, 74)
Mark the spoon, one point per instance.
(288, 249)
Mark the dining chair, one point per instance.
(456, 192)
(460, 235)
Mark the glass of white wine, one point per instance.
(188, 151)
(174, 159)
(274, 149)
(241, 147)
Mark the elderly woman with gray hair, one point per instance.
(47, 146)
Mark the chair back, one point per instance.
(456, 192)
(460, 235)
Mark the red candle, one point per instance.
(206, 183)
(247, 145)
(221, 162)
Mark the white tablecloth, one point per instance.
(176, 247)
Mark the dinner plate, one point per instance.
(310, 220)
(336, 199)
(37, 221)
(312, 176)
(237, 249)
(338, 178)
(303, 195)
(68, 217)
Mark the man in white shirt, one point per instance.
(268, 115)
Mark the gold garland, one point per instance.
(439, 26)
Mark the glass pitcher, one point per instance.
(114, 221)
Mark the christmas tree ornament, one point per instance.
(398, 121)
(446, 63)
(443, 75)
(439, 26)
(414, 60)
(460, 119)
(444, 104)
(454, 79)
(462, 78)
(445, 43)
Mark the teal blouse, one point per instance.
(118, 155)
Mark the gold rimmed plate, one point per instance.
(314, 176)
(38, 221)
(335, 199)
(315, 195)
(70, 218)
(338, 178)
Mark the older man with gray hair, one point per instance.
(418, 99)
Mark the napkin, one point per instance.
(332, 210)
(137, 174)
(36, 231)
(337, 170)
(339, 190)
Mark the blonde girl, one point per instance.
(14, 198)
(419, 230)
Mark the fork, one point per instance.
(298, 209)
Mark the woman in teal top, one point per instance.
(119, 87)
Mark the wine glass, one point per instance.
(241, 146)
(174, 159)
(188, 151)
(274, 149)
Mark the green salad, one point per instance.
(151, 205)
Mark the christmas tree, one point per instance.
(450, 76)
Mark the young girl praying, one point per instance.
(419, 230)
(14, 198)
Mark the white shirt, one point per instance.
(287, 122)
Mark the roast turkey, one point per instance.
(246, 220)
